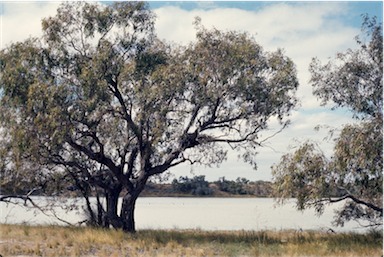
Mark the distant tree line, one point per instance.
(195, 186)
(200, 187)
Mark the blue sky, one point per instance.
(355, 8)
(303, 29)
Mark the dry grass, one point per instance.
(21, 240)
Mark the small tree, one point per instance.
(103, 101)
(354, 174)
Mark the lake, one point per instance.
(198, 213)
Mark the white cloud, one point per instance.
(23, 19)
(303, 31)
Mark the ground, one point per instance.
(23, 240)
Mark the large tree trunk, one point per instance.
(127, 212)
(129, 202)
(112, 197)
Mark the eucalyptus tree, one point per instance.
(100, 99)
(354, 173)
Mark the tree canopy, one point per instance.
(354, 173)
(102, 101)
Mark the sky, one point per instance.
(302, 29)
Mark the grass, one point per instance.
(17, 240)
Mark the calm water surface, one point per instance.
(201, 213)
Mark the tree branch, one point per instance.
(353, 198)
(126, 114)
(370, 205)
(359, 201)
(210, 139)
(131, 161)
(100, 158)
(193, 118)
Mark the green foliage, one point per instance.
(301, 175)
(354, 174)
(354, 79)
